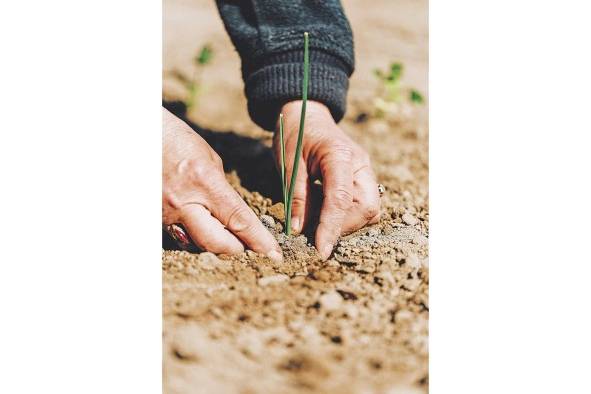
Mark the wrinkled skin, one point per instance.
(350, 195)
(197, 195)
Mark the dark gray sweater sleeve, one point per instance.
(269, 36)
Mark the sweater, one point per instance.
(269, 37)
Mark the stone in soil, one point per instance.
(409, 219)
(273, 279)
(331, 301)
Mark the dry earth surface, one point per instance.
(357, 323)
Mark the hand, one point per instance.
(351, 199)
(195, 193)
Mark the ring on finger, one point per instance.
(178, 233)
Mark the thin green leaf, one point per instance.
(283, 183)
(298, 152)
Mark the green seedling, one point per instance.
(416, 97)
(204, 56)
(193, 84)
(283, 181)
(393, 92)
(391, 81)
(288, 192)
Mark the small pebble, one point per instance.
(331, 301)
(322, 275)
(386, 277)
(412, 284)
(403, 316)
(373, 232)
(273, 279)
(188, 343)
(208, 261)
(409, 219)
(276, 211)
(268, 221)
(352, 311)
(413, 261)
(420, 240)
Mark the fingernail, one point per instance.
(275, 256)
(295, 224)
(326, 251)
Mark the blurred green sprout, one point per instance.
(193, 84)
(204, 56)
(393, 92)
(416, 97)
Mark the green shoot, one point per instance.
(283, 183)
(392, 90)
(192, 83)
(416, 97)
(391, 81)
(395, 72)
(298, 152)
(204, 56)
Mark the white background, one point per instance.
(80, 87)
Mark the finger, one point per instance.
(366, 201)
(240, 220)
(207, 232)
(299, 202)
(337, 181)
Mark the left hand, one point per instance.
(351, 199)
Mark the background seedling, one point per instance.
(416, 97)
(193, 84)
(288, 194)
(392, 90)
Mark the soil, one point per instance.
(357, 323)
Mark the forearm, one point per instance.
(269, 38)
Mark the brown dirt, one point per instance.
(357, 323)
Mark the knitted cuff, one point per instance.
(278, 80)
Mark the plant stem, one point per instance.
(283, 182)
(298, 152)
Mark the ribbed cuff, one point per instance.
(278, 80)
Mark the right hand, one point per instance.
(196, 194)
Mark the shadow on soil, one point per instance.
(249, 157)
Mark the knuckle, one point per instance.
(298, 202)
(371, 211)
(197, 172)
(201, 172)
(170, 200)
(341, 152)
(239, 219)
(341, 198)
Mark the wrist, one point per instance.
(315, 111)
(274, 80)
